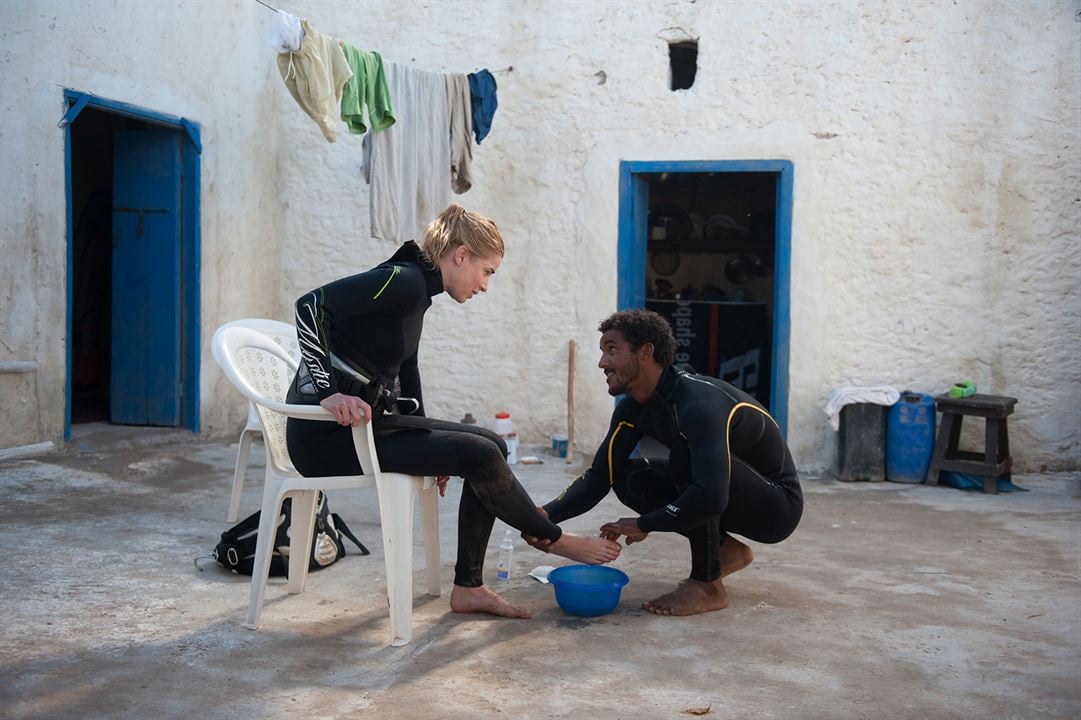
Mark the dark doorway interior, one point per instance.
(710, 270)
(92, 257)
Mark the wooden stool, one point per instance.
(995, 459)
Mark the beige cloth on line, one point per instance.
(315, 76)
(408, 164)
(460, 112)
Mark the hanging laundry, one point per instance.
(286, 32)
(367, 87)
(407, 163)
(482, 94)
(461, 131)
(315, 76)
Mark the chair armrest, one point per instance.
(300, 412)
(363, 439)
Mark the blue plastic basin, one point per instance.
(587, 590)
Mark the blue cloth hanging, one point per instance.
(482, 97)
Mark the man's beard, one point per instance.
(620, 388)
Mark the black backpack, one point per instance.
(236, 551)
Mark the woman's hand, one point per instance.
(348, 409)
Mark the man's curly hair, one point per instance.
(644, 326)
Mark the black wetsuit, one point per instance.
(373, 322)
(728, 470)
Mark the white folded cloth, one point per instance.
(848, 394)
(286, 32)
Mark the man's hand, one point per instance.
(349, 410)
(627, 527)
(539, 543)
(441, 483)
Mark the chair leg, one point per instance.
(242, 455)
(301, 526)
(429, 518)
(268, 525)
(396, 517)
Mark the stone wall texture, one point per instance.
(936, 209)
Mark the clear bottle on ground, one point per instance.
(506, 557)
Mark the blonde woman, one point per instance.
(371, 324)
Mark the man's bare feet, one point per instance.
(588, 550)
(734, 556)
(690, 597)
(482, 600)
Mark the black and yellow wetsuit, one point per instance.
(373, 321)
(728, 469)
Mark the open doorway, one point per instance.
(706, 245)
(92, 260)
(133, 265)
(710, 271)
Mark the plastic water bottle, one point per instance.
(506, 557)
(503, 424)
(504, 427)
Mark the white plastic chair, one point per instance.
(256, 365)
(284, 335)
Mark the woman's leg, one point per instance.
(425, 446)
(475, 454)
(319, 448)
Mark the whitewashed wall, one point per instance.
(936, 212)
(204, 61)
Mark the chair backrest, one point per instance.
(285, 335)
(261, 370)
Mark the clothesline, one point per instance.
(418, 125)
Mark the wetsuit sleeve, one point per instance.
(375, 291)
(409, 377)
(591, 486)
(705, 430)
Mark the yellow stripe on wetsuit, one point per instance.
(611, 442)
(393, 272)
(728, 425)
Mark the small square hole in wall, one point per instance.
(683, 64)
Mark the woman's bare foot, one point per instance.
(690, 597)
(734, 556)
(482, 600)
(588, 550)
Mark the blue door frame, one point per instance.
(76, 102)
(631, 277)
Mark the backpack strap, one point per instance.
(344, 530)
(245, 527)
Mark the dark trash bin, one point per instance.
(862, 442)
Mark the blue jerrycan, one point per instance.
(910, 437)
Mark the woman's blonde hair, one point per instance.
(457, 226)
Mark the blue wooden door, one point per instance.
(145, 379)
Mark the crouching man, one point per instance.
(728, 470)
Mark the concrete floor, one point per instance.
(889, 601)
